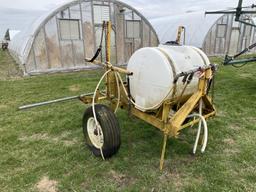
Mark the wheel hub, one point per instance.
(95, 133)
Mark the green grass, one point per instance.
(8, 69)
(48, 141)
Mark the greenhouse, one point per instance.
(214, 34)
(61, 39)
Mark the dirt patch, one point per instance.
(69, 143)
(86, 186)
(231, 148)
(120, 179)
(179, 179)
(229, 141)
(3, 107)
(74, 88)
(47, 185)
(172, 176)
(51, 139)
(35, 137)
(236, 127)
(222, 114)
(65, 134)
(230, 151)
(250, 119)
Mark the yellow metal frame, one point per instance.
(170, 125)
(181, 30)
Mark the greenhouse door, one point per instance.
(133, 39)
(101, 13)
(234, 40)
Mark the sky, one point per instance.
(159, 8)
(149, 7)
(17, 13)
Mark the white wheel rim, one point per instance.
(95, 134)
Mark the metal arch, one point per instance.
(238, 11)
(52, 13)
(210, 29)
(221, 17)
(138, 13)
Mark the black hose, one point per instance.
(100, 46)
(238, 66)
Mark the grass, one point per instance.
(8, 69)
(42, 149)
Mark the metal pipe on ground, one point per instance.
(53, 101)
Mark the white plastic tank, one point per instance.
(154, 70)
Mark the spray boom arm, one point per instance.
(232, 60)
(238, 13)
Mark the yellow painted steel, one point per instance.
(169, 124)
(110, 78)
(108, 40)
(181, 115)
(163, 152)
(181, 30)
(113, 68)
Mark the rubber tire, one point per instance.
(110, 128)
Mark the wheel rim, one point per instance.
(95, 134)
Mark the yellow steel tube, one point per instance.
(197, 120)
(163, 152)
(183, 112)
(109, 28)
(114, 68)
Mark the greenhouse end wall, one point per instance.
(72, 33)
(216, 35)
(227, 36)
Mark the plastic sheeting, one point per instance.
(42, 48)
(21, 44)
(9, 35)
(214, 34)
(197, 26)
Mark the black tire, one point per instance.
(110, 128)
